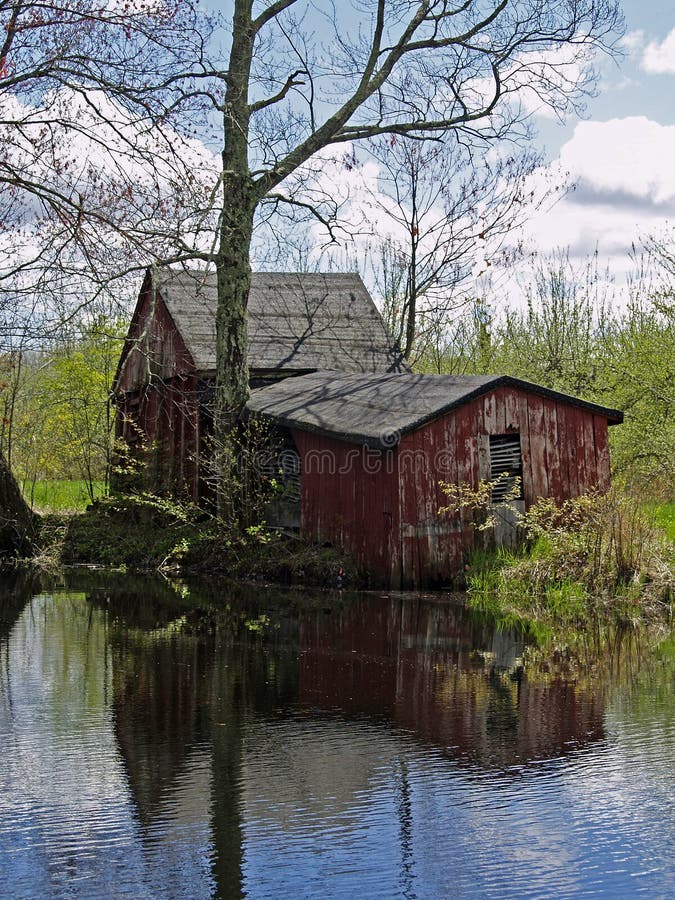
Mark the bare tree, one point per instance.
(93, 149)
(282, 84)
(387, 67)
(448, 217)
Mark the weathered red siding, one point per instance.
(350, 498)
(154, 348)
(382, 507)
(157, 413)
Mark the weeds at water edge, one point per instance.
(595, 556)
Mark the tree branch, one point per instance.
(291, 82)
(271, 12)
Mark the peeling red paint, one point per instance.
(388, 519)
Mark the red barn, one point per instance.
(373, 449)
(163, 389)
(368, 444)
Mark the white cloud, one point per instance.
(625, 189)
(659, 58)
(623, 158)
(542, 80)
(633, 41)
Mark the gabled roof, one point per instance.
(297, 322)
(378, 409)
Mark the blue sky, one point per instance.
(620, 156)
(621, 153)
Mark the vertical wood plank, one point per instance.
(601, 438)
(553, 465)
(489, 412)
(464, 418)
(565, 415)
(579, 437)
(537, 431)
(588, 443)
(446, 470)
(526, 456)
(500, 412)
(511, 411)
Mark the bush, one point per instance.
(594, 555)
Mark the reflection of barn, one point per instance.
(302, 725)
(446, 677)
(365, 444)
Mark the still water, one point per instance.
(267, 745)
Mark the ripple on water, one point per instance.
(157, 766)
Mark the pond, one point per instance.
(167, 741)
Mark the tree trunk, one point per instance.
(234, 279)
(233, 268)
(18, 523)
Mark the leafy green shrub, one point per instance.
(598, 554)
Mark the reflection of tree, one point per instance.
(177, 693)
(16, 588)
(158, 691)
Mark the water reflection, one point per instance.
(239, 743)
(447, 678)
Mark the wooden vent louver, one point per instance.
(505, 460)
(283, 465)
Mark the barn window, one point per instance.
(505, 461)
(282, 463)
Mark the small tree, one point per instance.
(449, 215)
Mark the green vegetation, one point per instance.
(59, 496)
(664, 517)
(147, 532)
(55, 414)
(594, 559)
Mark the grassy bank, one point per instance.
(60, 496)
(140, 533)
(598, 558)
(663, 515)
(593, 556)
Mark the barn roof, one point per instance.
(378, 409)
(297, 322)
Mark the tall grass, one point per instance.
(595, 556)
(60, 496)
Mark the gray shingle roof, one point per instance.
(378, 409)
(297, 322)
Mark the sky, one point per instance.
(618, 156)
(621, 155)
